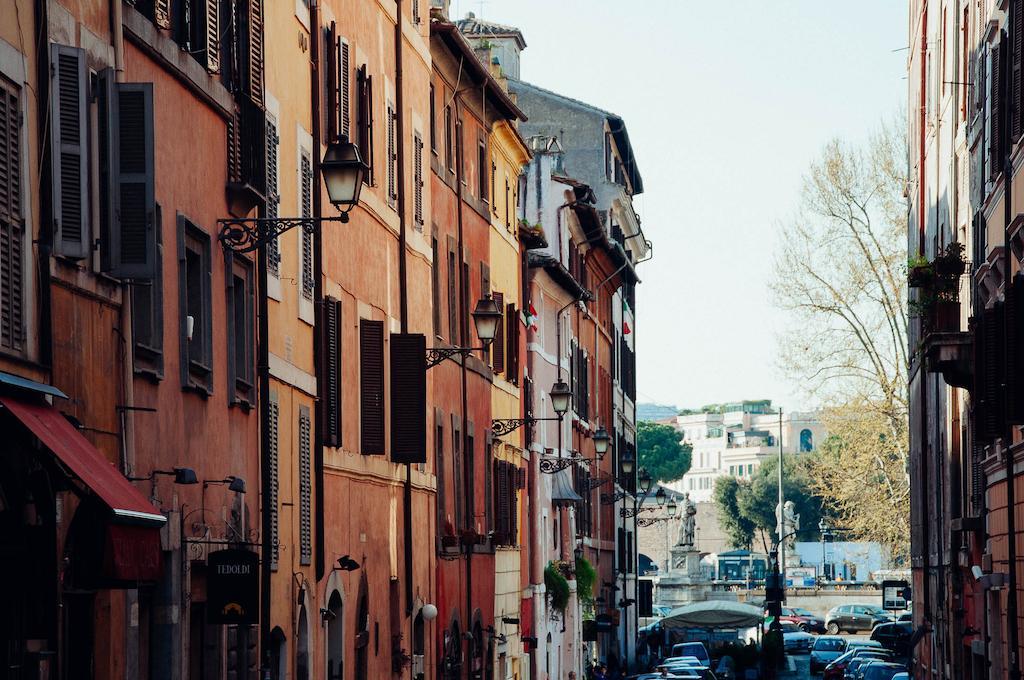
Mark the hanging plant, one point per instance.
(949, 262)
(557, 587)
(919, 272)
(585, 577)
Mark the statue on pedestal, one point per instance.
(688, 527)
(789, 520)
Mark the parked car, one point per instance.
(854, 618)
(879, 670)
(836, 670)
(865, 644)
(796, 640)
(826, 649)
(894, 636)
(901, 676)
(696, 649)
(807, 620)
(906, 616)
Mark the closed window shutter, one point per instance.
(418, 180)
(331, 397)
(11, 228)
(131, 246)
(252, 33)
(485, 290)
(453, 310)
(306, 171)
(408, 398)
(500, 522)
(332, 93)
(68, 147)
(392, 155)
(305, 489)
(992, 323)
(512, 344)
(1014, 310)
(513, 504)
(439, 471)
(162, 13)
(997, 113)
(499, 335)
(211, 51)
(490, 494)
(273, 196)
(273, 455)
(371, 386)
(344, 83)
(1016, 75)
(574, 376)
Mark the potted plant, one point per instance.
(949, 263)
(919, 272)
(557, 587)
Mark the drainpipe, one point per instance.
(318, 284)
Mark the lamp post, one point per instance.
(822, 530)
(560, 396)
(486, 316)
(342, 169)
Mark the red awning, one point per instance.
(84, 461)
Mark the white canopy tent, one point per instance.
(714, 614)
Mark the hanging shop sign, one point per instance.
(233, 587)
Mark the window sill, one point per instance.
(153, 375)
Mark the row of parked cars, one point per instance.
(883, 657)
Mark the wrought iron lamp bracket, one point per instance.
(649, 521)
(437, 355)
(247, 234)
(502, 426)
(599, 481)
(633, 512)
(610, 498)
(552, 465)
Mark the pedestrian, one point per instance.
(601, 672)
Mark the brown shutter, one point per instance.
(273, 454)
(11, 229)
(1016, 76)
(254, 35)
(512, 326)
(513, 505)
(408, 398)
(453, 310)
(417, 180)
(490, 506)
(345, 84)
(1014, 310)
(996, 124)
(499, 336)
(68, 143)
(305, 489)
(500, 503)
(308, 283)
(211, 35)
(991, 351)
(371, 386)
(330, 397)
(331, 89)
(392, 155)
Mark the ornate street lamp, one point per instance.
(486, 316)
(627, 462)
(644, 481)
(560, 395)
(670, 512)
(601, 440)
(660, 497)
(342, 169)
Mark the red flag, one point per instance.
(625, 328)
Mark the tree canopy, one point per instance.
(746, 507)
(661, 452)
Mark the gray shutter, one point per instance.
(345, 80)
(371, 386)
(408, 398)
(305, 489)
(417, 180)
(332, 91)
(499, 336)
(11, 230)
(330, 397)
(68, 147)
(306, 235)
(252, 34)
(392, 155)
(273, 195)
(274, 455)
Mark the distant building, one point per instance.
(734, 439)
(655, 412)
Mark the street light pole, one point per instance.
(782, 523)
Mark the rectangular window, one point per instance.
(371, 386)
(453, 313)
(196, 315)
(442, 515)
(435, 284)
(449, 147)
(417, 180)
(274, 455)
(305, 489)
(273, 194)
(12, 230)
(364, 110)
(512, 327)
(392, 157)
(306, 198)
(433, 121)
(498, 355)
(241, 299)
(481, 170)
(458, 490)
(148, 317)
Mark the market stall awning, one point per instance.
(714, 614)
(82, 459)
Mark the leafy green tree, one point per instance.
(661, 452)
(746, 508)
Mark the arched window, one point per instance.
(335, 638)
(806, 441)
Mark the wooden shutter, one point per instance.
(305, 489)
(417, 179)
(330, 397)
(273, 453)
(392, 155)
(1014, 311)
(996, 115)
(408, 398)
(68, 146)
(991, 327)
(499, 335)
(273, 195)
(364, 83)
(130, 250)
(11, 228)
(500, 503)
(453, 309)
(345, 87)
(1016, 75)
(332, 92)
(512, 343)
(306, 170)
(371, 386)
(513, 505)
(490, 494)
(162, 14)
(211, 51)
(252, 34)
(439, 472)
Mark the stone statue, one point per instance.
(789, 520)
(688, 527)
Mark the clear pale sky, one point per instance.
(726, 105)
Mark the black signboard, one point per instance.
(894, 595)
(233, 587)
(590, 631)
(646, 597)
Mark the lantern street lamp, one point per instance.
(627, 462)
(645, 481)
(486, 316)
(660, 497)
(560, 395)
(671, 508)
(342, 170)
(601, 440)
